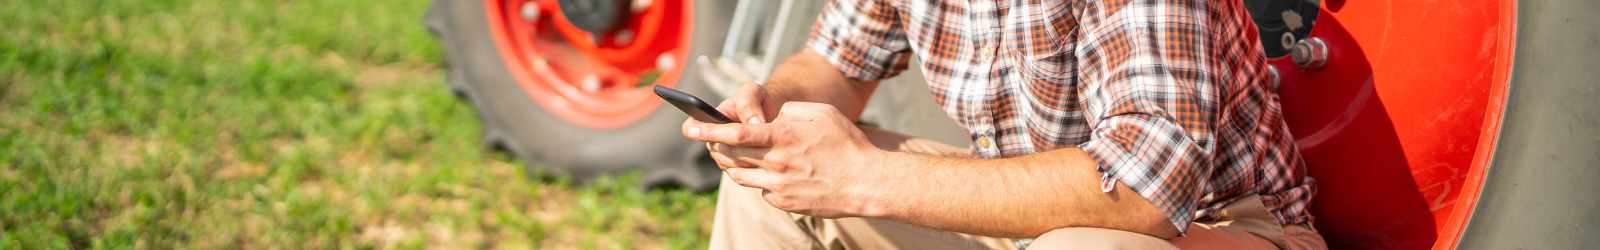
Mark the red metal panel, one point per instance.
(1398, 126)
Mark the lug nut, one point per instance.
(664, 62)
(530, 11)
(623, 37)
(591, 83)
(640, 5)
(1310, 53)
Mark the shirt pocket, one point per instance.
(1038, 42)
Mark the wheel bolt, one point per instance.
(1310, 53)
(623, 37)
(530, 11)
(664, 62)
(641, 5)
(591, 83)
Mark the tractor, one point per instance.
(1427, 124)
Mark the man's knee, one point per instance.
(732, 194)
(1097, 238)
(745, 221)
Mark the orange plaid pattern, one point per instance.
(1168, 96)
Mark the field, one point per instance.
(274, 124)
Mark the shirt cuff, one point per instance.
(861, 63)
(1120, 158)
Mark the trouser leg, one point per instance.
(745, 221)
(1250, 227)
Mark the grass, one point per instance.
(273, 124)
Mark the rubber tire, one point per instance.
(1539, 190)
(513, 122)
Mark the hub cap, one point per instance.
(585, 70)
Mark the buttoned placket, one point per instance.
(987, 47)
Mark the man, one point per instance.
(1095, 124)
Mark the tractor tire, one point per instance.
(1539, 192)
(514, 122)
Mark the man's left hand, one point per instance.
(810, 160)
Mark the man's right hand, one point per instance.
(747, 105)
(805, 77)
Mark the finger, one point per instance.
(693, 129)
(737, 134)
(776, 200)
(728, 109)
(753, 177)
(748, 104)
(753, 157)
(726, 158)
(723, 161)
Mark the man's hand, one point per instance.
(810, 159)
(748, 104)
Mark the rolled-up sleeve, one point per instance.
(863, 39)
(1149, 99)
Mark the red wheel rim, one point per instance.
(591, 80)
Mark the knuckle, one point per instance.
(739, 135)
(779, 201)
(783, 132)
(774, 200)
(779, 157)
(737, 178)
(782, 135)
(724, 163)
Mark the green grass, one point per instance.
(273, 124)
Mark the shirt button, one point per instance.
(985, 143)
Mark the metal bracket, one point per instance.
(755, 43)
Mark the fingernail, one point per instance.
(693, 132)
(756, 120)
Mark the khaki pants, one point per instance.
(745, 221)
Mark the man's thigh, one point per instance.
(745, 221)
(1097, 238)
(1197, 238)
(859, 233)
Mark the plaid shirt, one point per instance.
(1168, 96)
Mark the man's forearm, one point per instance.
(808, 77)
(1014, 197)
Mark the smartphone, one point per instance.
(696, 108)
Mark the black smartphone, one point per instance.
(699, 110)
